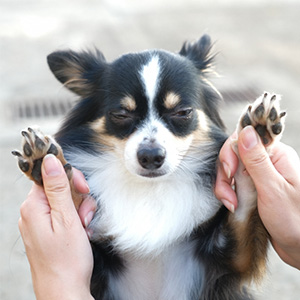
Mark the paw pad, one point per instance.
(265, 116)
(35, 147)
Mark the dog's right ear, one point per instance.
(77, 71)
(199, 53)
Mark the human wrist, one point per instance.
(289, 255)
(292, 258)
(59, 289)
(56, 294)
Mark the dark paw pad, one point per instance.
(265, 116)
(35, 147)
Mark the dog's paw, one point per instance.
(265, 116)
(35, 146)
(267, 119)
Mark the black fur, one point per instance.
(101, 86)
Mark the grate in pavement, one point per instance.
(45, 108)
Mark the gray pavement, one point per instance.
(259, 45)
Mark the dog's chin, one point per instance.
(152, 174)
(146, 174)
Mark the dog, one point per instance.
(146, 134)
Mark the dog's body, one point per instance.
(147, 134)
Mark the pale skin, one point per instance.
(58, 248)
(55, 237)
(277, 181)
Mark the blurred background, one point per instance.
(258, 42)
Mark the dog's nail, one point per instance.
(16, 153)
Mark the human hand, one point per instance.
(88, 206)
(56, 243)
(277, 181)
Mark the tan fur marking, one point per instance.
(203, 122)
(252, 244)
(98, 125)
(76, 82)
(128, 103)
(201, 134)
(108, 142)
(171, 100)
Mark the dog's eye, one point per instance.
(185, 113)
(121, 116)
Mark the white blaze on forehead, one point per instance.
(150, 76)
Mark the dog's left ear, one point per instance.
(77, 71)
(199, 53)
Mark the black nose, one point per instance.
(151, 158)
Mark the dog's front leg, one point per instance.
(252, 238)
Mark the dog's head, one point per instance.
(151, 108)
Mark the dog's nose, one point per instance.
(151, 158)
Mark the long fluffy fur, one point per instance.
(159, 233)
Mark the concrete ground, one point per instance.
(259, 45)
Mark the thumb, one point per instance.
(256, 159)
(57, 187)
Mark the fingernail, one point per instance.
(228, 205)
(89, 233)
(52, 165)
(234, 136)
(249, 138)
(87, 187)
(88, 218)
(226, 170)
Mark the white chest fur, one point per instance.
(144, 216)
(171, 275)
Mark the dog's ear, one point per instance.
(199, 53)
(77, 71)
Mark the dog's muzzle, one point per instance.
(151, 156)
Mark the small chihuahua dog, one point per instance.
(146, 134)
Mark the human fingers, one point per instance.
(277, 202)
(256, 160)
(87, 210)
(34, 210)
(224, 191)
(228, 158)
(228, 163)
(57, 190)
(80, 183)
(286, 161)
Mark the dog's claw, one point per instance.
(16, 153)
(69, 170)
(35, 147)
(265, 116)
